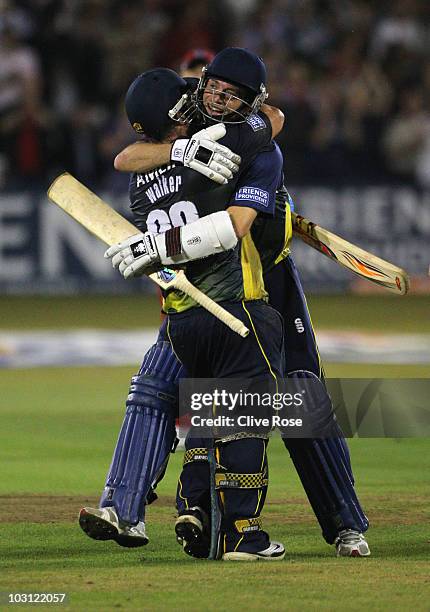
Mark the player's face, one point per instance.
(221, 98)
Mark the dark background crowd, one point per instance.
(352, 77)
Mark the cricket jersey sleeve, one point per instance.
(248, 137)
(257, 186)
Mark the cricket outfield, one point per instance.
(58, 428)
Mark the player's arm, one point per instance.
(242, 218)
(217, 162)
(142, 157)
(207, 236)
(256, 191)
(201, 152)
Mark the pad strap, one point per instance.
(229, 480)
(241, 436)
(195, 454)
(248, 525)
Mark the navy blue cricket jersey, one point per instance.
(173, 195)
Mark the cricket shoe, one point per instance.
(192, 529)
(274, 552)
(104, 524)
(350, 543)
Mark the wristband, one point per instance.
(178, 150)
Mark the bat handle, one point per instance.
(183, 284)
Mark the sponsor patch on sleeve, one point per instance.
(253, 194)
(256, 122)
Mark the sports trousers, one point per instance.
(209, 349)
(323, 465)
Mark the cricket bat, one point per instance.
(351, 256)
(216, 516)
(110, 227)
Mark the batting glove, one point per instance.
(203, 154)
(133, 255)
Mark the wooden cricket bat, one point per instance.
(110, 227)
(351, 256)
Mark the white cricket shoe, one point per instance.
(104, 524)
(274, 552)
(350, 543)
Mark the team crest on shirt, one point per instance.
(256, 122)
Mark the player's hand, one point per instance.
(133, 256)
(202, 153)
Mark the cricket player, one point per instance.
(323, 464)
(158, 200)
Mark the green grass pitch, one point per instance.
(58, 428)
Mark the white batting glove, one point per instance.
(202, 153)
(134, 255)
